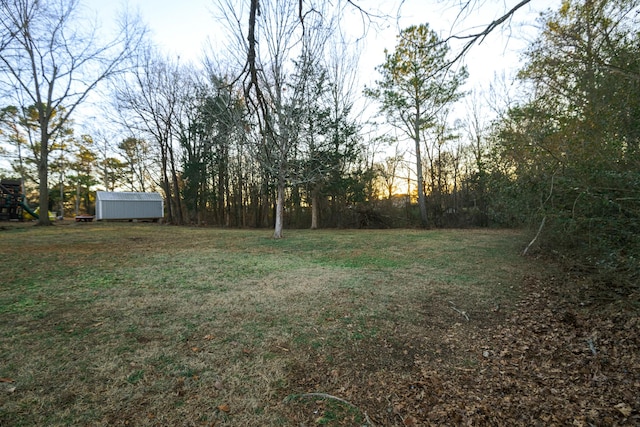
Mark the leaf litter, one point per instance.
(562, 356)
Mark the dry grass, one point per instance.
(143, 324)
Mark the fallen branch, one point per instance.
(535, 238)
(463, 313)
(320, 395)
(327, 396)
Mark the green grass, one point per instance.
(143, 324)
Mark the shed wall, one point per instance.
(129, 206)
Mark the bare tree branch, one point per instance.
(478, 37)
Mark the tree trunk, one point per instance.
(43, 173)
(277, 234)
(240, 198)
(166, 184)
(77, 198)
(176, 187)
(422, 202)
(314, 209)
(61, 195)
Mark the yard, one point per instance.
(149, 325)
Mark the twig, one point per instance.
(592, 347)
(535, 238)
(481, 35)
(320, 395)
(368, 420)
(328, 396)
(464, 313)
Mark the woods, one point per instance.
(278, 131)
(569, 153)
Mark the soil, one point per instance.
(567, 354)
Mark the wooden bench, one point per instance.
(84, 218)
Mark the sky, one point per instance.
(182, 28)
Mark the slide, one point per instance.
(28, 209)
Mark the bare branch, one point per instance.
(330, 397)
(526, 250)
(478, 37)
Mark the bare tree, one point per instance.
(476, 126)
(388, 171)
(288, 32)
(137, 154)
(150, 101)
(53, 59)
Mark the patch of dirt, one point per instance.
(568, 354)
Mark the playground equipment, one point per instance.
(35, 214)
(12, 203)
(11, 200)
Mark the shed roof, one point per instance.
(127, 196)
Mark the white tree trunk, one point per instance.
(277, 233)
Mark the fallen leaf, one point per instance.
(195, 349)
(6, 380)
(624, 409)
(208, 337)
(224, 407)
(409, 421)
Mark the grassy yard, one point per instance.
(144, 324)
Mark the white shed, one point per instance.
(128, 205)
